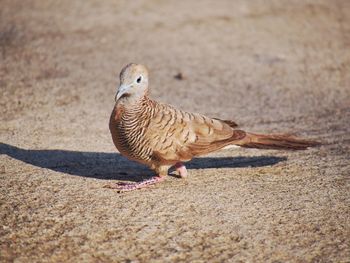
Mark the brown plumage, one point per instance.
(162, 136)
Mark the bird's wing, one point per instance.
(176, 135)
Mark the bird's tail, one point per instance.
(275, 141)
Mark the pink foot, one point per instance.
(181, 169)
(125, 187)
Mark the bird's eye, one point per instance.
(139, 79)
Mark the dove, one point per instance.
(161, 136)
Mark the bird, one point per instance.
(161, 136)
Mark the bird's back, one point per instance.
(177, 135)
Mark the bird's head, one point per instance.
(133, 83)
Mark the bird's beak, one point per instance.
(121, 91)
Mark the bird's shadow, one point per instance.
(107, 166)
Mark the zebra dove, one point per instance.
(161, 136)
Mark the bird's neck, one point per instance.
(132, 100)
(131, 107)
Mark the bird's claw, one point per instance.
(126, 187)
(181, 169)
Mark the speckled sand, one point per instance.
(272, 66)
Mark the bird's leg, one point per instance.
(125, 187)
(161, 171)
(181, 169)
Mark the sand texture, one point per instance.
(271, 66)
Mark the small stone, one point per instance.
(179, 76)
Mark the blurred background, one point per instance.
(271, 66)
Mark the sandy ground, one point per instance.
(272, 66)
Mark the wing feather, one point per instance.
(182, 135)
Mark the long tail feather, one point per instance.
(275, 141)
